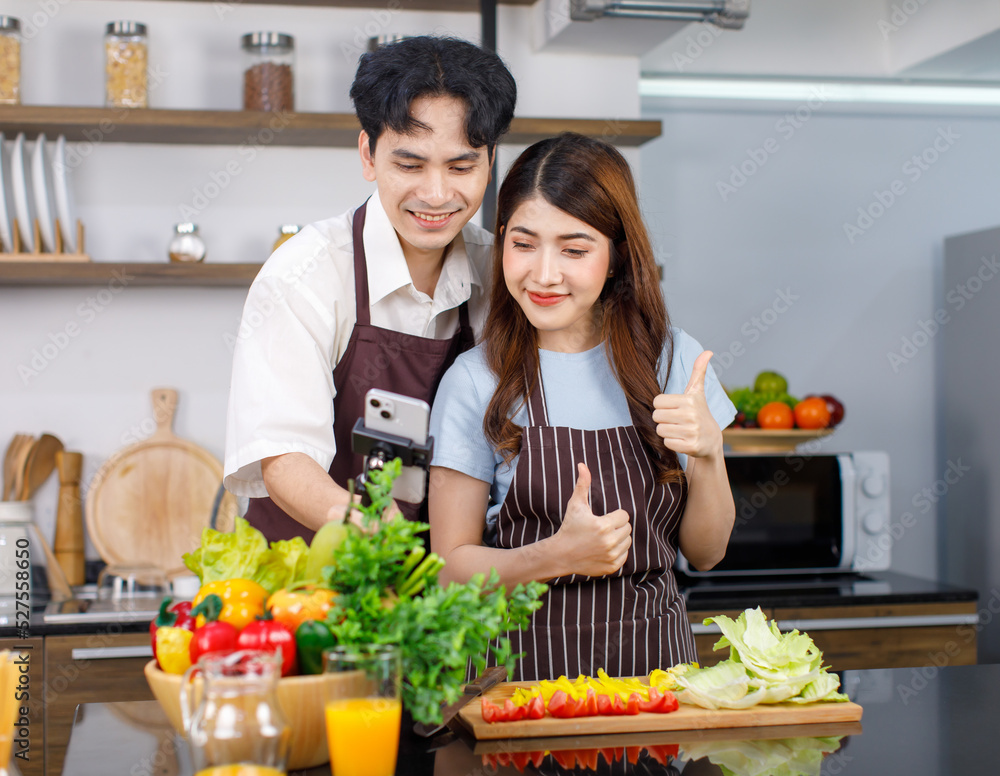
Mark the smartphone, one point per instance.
(404, 416)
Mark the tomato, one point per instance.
(520, 760)
(776, 415)
(566, 760)
(604, 706)
(632, 754)
(536, 708)
(812, 413)
(490, 711)
(632, 704)
(270, 636)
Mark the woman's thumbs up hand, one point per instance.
(683, 420)
(592, 545)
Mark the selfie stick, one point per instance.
(378, 448)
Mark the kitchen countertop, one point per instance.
(932, 721)
(883, 587)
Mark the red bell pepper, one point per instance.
(269, 635)
(213, 636)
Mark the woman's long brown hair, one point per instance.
(591, 181)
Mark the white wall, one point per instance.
(728, 255)
(95, 393)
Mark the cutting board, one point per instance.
(685, 718)
(149, 502)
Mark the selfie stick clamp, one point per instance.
(378, 448)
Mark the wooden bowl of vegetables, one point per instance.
(302, 699)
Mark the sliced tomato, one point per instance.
(609, 754)
(536, 708)
(520, 760)
(632, 754)
(657, 754)
(604, 706)
(589, 705)
(588, 759)
(491, 711)
(670, 702)
(557, 703)
(503, 758)
(655, 702)
(617, 705)
(566, 759)
(537, 758)
(512, 712)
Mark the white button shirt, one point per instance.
(298, 319)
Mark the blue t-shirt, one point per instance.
(581, 391)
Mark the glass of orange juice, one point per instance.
(363, 709)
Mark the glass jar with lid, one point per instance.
(269, 71)
(126, 62)
(187, 245)
(10, 60)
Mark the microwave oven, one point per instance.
(798, 514)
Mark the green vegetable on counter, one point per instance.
(764, 666)
(389, 593)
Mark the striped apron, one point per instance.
(630, 622)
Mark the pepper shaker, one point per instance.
(68, 547)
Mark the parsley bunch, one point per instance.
(388, 593)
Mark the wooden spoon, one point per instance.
(13, 464)
(39, 464)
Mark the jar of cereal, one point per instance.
(10, 61)
(126, 64)
(268, 82)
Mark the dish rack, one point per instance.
(59, 254)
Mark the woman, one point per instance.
(591, 427)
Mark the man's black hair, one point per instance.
(390, 78)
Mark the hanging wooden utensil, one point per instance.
(149, 502)
(39, 464)
(13, 460)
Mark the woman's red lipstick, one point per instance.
(546, 300)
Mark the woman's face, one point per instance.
(555, 266)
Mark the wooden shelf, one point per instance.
(97, 273)
(217, 127)
(470, 6)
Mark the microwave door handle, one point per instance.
(848, 484)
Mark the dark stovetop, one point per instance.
(853, 589)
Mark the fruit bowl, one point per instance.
(302, 699)
(761, 440)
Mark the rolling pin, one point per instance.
(69, 517)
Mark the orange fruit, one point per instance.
(812, 413)
(775, 415)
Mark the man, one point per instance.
(384, 296)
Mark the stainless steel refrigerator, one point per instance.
(969, 425)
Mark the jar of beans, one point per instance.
(126, 58)
(10, 61)
(268, 76)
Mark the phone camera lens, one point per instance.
(376, 403)
(386, 414)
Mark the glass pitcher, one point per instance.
(236, 725)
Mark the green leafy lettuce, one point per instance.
(244, 554)
(764, 666)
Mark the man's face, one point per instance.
(430, 182)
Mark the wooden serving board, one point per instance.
(685, 718)
(149, 502)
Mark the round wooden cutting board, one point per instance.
(149, 502)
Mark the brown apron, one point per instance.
(374, 358)
(630, 622)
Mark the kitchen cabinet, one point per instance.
(868, 636)
(31, 652)
(104, 666)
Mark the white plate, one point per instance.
(23, 208)
(45, 201)
(6, 201)
(65, 206)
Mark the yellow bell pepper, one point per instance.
(173, 649)
(242, 601)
